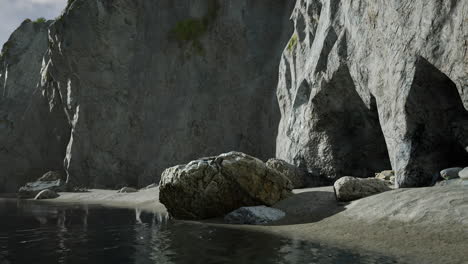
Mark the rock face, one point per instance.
(254, 215)
(33, 131)
(46, 194)
(148, 84)
(212, 187)
(365, 85)
(350, 188)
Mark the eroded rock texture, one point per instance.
(369, 85)
(215, 186)
(148, 84)
(33, 131)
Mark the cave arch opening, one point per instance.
(437, 126)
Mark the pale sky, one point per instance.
(13, 12)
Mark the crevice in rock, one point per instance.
(436, 121)
(303, 94)
(350, 128)
(328, 43)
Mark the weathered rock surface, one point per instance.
(297, 176)
(254, 215)
(212, 187)
(450, 173)
(32, 137)
(350, 188)
(31, 189)
(46, 194)
(368, 84)
(148, 84)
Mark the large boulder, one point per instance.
(254, 215)
(463, 174)
(214, 186)
(297, 176)
(369, 85)
(350, 188)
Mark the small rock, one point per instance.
(296, 175)
(463, 174)
(255, 215)
(385, 175)
(350, 188)
(127, 190)
(151, 186)
(450, 173)
(46, 194)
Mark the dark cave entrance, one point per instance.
(437, 125)
(352, 128)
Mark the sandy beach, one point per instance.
(424, 225)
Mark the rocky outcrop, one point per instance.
(148, 84)
(350, 188)
(33, 131)
(365, 85)
(212, 187)
(254, 215)
(32, 189)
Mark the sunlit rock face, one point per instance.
(369, 85)
(149, 84)
(33, 131)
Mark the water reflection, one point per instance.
(32, 232)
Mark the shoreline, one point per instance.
(424, 225)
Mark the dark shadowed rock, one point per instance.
(350, 188)
(254, 215)
(165, 81)
(46, 194)
(212, 187)
(33, 130)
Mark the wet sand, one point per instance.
(424, 225)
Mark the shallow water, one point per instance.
(34, 232)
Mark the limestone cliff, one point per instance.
(365, 85)
(149, 84)
(32, 135)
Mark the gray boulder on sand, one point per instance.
(50, 180)
(254, 215)
(350, 188)
(46, 194)
(450, 173)
(127, 190)
(296, 175)
(214, 186)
